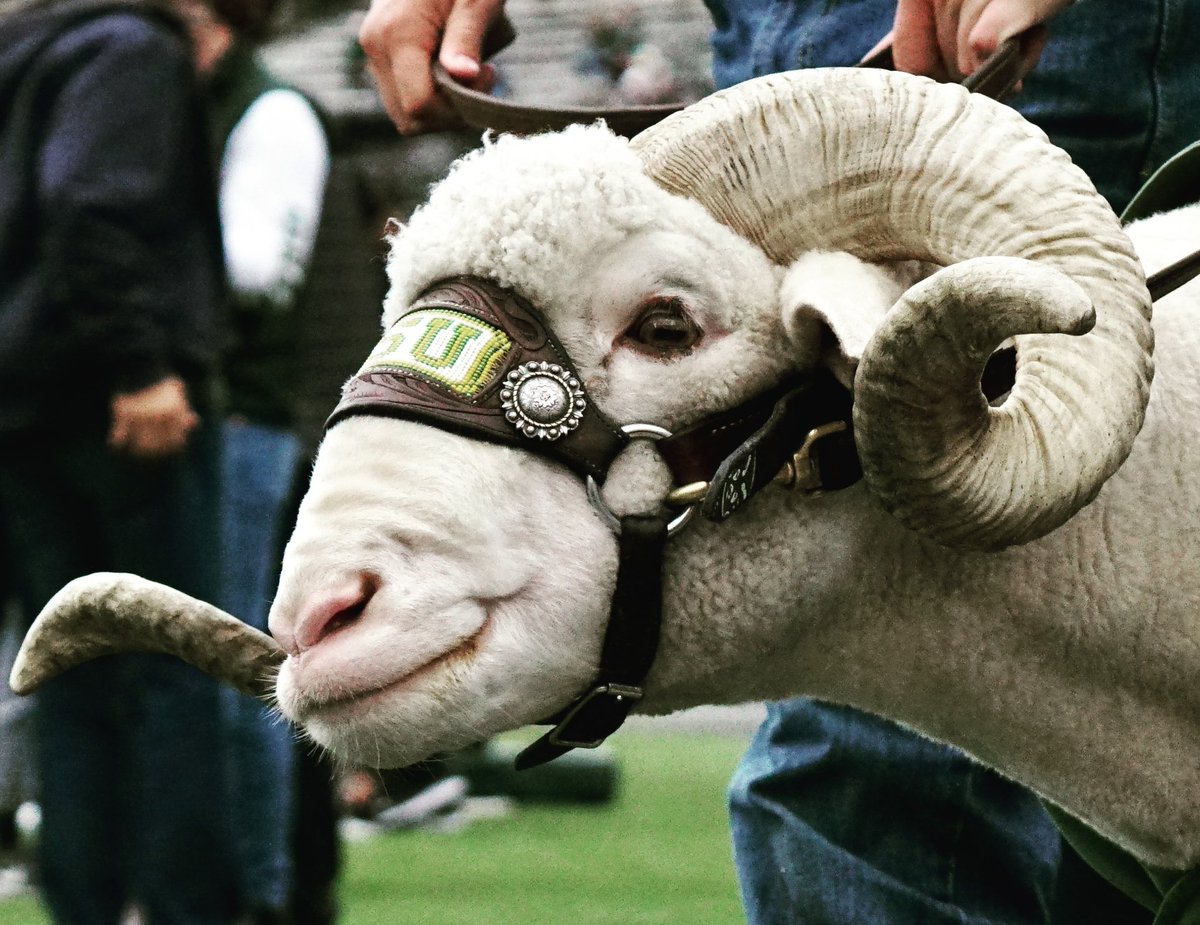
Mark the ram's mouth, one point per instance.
(341, 703)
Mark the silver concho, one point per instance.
(542, 400)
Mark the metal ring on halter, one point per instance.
(649, 432)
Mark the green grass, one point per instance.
(659, 854)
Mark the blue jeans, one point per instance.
(128, 748)
(1117, 87)
(259, 467)
(839, 817)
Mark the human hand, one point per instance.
(401, 37)
(152, 422)
(949, 39)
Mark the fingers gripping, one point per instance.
(401, 39)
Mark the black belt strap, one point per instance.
(1168, 279)
(756, 463)
(996, 78)
(630, 644)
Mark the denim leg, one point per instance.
(181, 875)
(258, 468)
(756, 37)
(131, 809)
(80, 742)
(1117, 86)
(840, 817)
(161, 522)
(128, 759)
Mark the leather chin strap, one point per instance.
(630, 644)
(476, 359)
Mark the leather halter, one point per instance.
(479, 360)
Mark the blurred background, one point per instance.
(636, 836)
(636, 832)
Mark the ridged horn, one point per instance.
(890, 166)
(109, 613)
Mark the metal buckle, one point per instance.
(619, 692)
(649, 432)
(801, 472)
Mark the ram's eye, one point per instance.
(664, 327)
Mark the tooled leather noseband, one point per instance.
(479, 360)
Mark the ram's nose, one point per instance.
(323, 612)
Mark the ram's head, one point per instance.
(440, 588)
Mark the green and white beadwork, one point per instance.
(452, 348)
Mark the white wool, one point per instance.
(532, 214)
(512, 210)
(1167, 237)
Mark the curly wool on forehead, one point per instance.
(527, 213)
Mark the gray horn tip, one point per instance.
(29, 670)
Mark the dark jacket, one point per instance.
(110, 262)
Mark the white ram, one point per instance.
(439, 589)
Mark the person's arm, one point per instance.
(273, 176)
(109, 181)
(401, 38)
(949, 39)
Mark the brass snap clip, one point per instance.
(801, 472)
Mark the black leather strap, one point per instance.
(742, 451)
(1168, 279)
(996, 77)
(797, 413)
(630, 644)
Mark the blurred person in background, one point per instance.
(839, 816)
(110, 283)
(271, 156)
(16, 746)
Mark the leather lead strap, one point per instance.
(996, 77)
(1167, 280)
(483, 111)
(630, 644)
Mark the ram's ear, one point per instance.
(833, 302)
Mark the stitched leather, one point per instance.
(588, 450)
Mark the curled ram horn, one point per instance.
(890, 166)
(109, 613)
